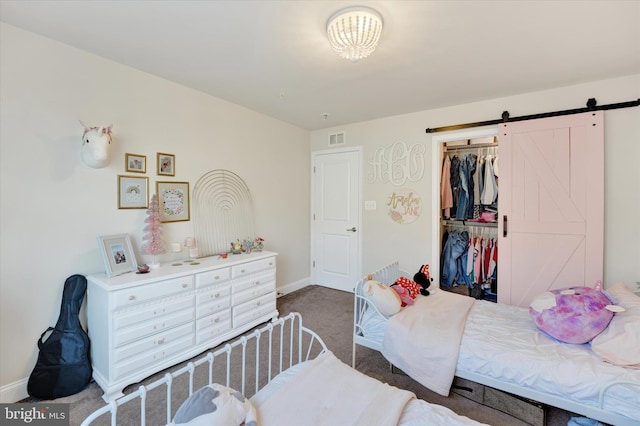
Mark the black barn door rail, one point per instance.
(591, 106)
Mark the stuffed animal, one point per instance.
(384, 298)
(216, 404)
(405, 296)
(574, 314)
(423, 278)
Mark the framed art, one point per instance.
(133, 192)
(166, 164)
(135, 163)
(173, 201)
(117, 254)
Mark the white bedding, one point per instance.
(494, 330)
(501, 342)
(423, 340)
(289, 400)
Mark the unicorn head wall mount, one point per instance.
(96, 146)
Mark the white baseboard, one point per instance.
(17, 391)
(289, 288)
(14, 392)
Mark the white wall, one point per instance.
(385, 240)
(53, 207)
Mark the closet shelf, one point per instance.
(470, 144)
(455, 222)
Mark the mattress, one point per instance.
(501, 342)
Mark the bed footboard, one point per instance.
(280, 344)
(387, 275)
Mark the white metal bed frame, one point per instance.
(390, 273)
(303, 344)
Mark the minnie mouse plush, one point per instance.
(423, 277)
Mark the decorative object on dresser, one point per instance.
(117, 254)
(141, 324)
(174, 201)
(96, 146)
(192, 249)
(153, 233)
(223, 211)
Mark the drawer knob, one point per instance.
(184, 285)
(242, 270)
(216, 320)
(217, 294)
(132, 297)
(161, 341)
(217, 277)
(257, 283)
(258, 304)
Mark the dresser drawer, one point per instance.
(153, 342)
(255, 309)
(213, 306)
(146, 292)
(255, 289)
(212, 277)
(212, 293)
(153, 357)
(153, 326)
(251, 267)
(253, 280)
(132, 316)
(267, 299)
(213, 325)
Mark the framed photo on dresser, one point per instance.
(117, 254)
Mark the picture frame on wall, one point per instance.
(117, 254)
(135, 163)
(166, 164)
(173, 201)
(133, 192)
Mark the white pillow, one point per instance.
(215, 404)
(620, 342)
(383, 297)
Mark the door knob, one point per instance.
(352, 229)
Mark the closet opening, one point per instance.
(465, 225)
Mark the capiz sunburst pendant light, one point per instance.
(354, 32)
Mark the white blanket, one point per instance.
(423, 340)
(328, 392)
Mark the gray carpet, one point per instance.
(330, 314)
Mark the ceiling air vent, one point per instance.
(336, 139)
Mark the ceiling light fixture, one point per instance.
(354, 32)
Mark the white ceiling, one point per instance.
(273, 56)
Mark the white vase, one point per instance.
(154, 264)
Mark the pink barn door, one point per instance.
(551, 205)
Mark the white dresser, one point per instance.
(140, 324)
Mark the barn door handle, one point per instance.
(352, 229)
(504, 225)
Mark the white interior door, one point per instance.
(551, 205)
(336, 218)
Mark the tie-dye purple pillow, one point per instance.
(572, 315)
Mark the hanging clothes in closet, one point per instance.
(469, 258)
(469, 187)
